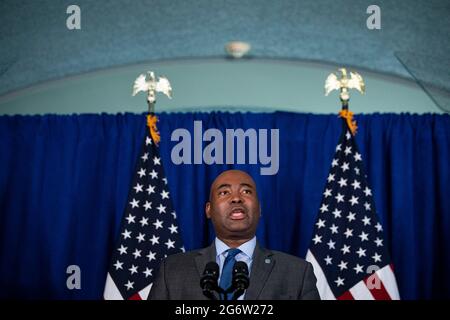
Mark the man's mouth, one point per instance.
(238, 213)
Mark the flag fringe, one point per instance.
(348, 116)
(154, 133)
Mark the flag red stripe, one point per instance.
(346, 296)
(376, 287)
(135, 296)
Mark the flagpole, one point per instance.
(344, 108)
(151, 107)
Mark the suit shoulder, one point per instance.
(181, 257)
(290, 259)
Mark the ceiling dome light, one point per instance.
(237, 49)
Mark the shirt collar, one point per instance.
(247, 248)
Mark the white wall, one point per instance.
(218, 84)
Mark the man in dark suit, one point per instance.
(234, 210)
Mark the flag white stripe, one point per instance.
(390, 284)
(360, 292)
(322, 284)
(145, 292)
(111, 292)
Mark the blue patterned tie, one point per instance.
(225, 279)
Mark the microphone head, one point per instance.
(240, 279)
(212, 269)
(240, 267)
(208, 281)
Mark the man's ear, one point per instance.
(208, 209)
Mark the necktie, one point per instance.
(225, 279)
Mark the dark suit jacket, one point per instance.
(274, 275)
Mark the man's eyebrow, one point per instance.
(227, 185)
(223, 185)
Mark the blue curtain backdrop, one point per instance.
(64, 182)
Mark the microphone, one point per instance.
(208, 281)
(240, 280)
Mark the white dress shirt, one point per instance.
(246, 255)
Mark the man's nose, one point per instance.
(236, 198)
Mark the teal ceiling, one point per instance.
(36, 46)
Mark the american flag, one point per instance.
(149, 231)
(348, 250)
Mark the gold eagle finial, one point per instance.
(152, 86)
(344, 83)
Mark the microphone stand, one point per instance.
(237, 292)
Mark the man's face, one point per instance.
(233, 206)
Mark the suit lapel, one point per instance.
(262, 265)
(204, 256)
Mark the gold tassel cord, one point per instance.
(348, 116)
(151, 123)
